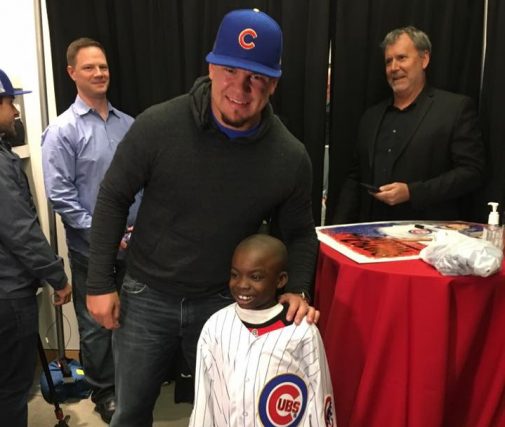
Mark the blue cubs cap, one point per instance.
(248, 39)
(6, 88)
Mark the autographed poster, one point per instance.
(388, 241)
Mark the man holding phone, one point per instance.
(417, 154)
(370, 188)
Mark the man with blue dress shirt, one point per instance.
(77, 148)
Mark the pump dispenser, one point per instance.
(493, 232)
(494, 216)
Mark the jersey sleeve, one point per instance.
(322, 405)
(203, 409)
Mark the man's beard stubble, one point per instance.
(8, 132)
(233, 123)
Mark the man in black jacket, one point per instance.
(422, 150)
(214, 163)
(26, 259)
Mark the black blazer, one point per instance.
(441, 161)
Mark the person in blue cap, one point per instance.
(26, 260)
(215, 164)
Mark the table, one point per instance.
(408, 347)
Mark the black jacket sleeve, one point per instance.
(21, 237)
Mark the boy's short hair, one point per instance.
(272, 244)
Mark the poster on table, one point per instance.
(390, 240)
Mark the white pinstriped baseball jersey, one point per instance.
(279, 379)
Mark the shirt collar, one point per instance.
(81, 108)
(232, 133)
(257, 317)
(412, 105)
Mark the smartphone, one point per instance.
(369, 187)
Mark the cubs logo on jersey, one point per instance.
(329, 412)
(246, 37)
(283, 401)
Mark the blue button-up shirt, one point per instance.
(77, 149)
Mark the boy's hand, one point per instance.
(62, 296)
(299, 308)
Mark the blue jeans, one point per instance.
(19, 327)
(95, 342)
(152, 326)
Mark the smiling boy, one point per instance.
(253, 366)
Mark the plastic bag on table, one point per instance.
(453, 253)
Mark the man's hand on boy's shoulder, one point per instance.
(299, 308)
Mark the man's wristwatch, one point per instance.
(305, 297)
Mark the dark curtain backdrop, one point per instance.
(156, 49)
(455, 28)
(493, 107)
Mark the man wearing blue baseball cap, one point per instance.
(26, 259)
(215, 164)
(8, 111)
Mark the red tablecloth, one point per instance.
(409, 347)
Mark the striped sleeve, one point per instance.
(203, 410)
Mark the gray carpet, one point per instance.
(82, 414)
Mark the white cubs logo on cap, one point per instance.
(283, 401)
(250, 34)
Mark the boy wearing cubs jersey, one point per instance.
(254, 368)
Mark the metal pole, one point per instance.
(53, 237)
(484, 46)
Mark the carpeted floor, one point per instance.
(82, 414)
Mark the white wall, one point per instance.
(19, 58)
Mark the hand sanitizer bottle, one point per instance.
(493, 232)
